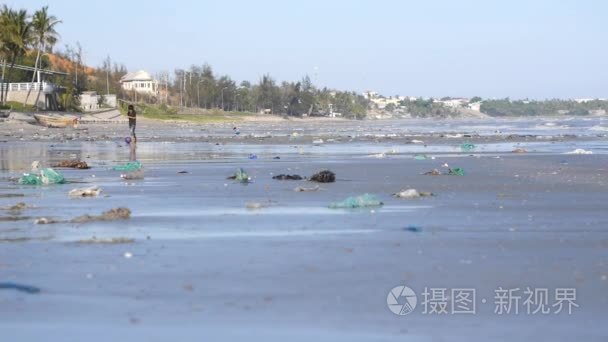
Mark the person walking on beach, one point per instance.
(132, 120)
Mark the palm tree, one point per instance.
(16, 37)
(43, 31)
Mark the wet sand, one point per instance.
(202, 265)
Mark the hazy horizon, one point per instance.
(514, 49)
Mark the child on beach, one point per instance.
(132, 120)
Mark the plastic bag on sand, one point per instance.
(241, 176)
(456, 172)
(93, 191)
(580, 151)
(362, 201)
(29, 179)
(133, 175)
(130, 166)
(467, 147)
(50, 176)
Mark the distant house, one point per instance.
(140, 81)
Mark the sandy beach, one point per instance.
(194, 262)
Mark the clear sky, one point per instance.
(515, 48)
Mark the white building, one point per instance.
(140, 81)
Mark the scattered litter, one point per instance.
(467, 147)
(413, 229)
(378, 155)
(182, 172)
(11, 195)
(74, 164)
(317, 141)
(324, 176)
(110, 241)
(20, 287)
(110, 215)
(362, 201)
(412, 193)
(133, 175)
(520, 150)
(47, 176)
(421, 157)
(128, 255)
(17, 207)
(241, 176)
(130, 166)
(433, 172)
(35, 166)
(303, 189)
(287, 177)
(579, 151)
(93, 191)
(456, 172)
(44, 220)
(256, 205)
(277, 158)
(252, 156)
(414, 141)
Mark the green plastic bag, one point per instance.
(421, 157)
(362, 201)
(29, 179)
(467, 147)
(456, 172)
(130, 166)
(241, 176)
(50, 176)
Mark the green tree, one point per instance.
(16, 36)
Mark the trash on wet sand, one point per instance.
(44, 220)
(182, 172)
(412, 193)
(520, 150)
(317, 141)
(17, 207)
(456, 171)
(256, 205)
(287, 177)
(324, 176)
(252, 156)
(467, 147)
(415, 141)
(413, 229)
(433, 172)
(130, 166)
(109, 241)
(47, 176)
(304, 189)
(74, 164)
(580, 151)
(133, 175)
(110, 215)
(20, 287)
(93, 191)
(241, 176)
(362, 201)
(421, 157)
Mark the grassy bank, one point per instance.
(16, 107)
(167, 113)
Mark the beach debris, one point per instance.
(11, 195)
(128, 255)
(236, 130)
(182, 172)
(45, 220)
(421, 157)
(412, 193)
(520, 150)
(580, 151)
(287, 177)
(256, 205)
(361, 201)
(318, 141)
(324, 176)
(415, 141)
(467, 147)
(252, 156)
(276, 158)
(133, 175)
(457, 171)
(240, 176)
(378, 155)
(73, 164)
(433, 172)
(92, 191)
(19, 287)
(47, 176)
(35, 166)
(413, 229)
(304, 189)
(109, 241)
(128, 167)
(120, 213)
(16, 207)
